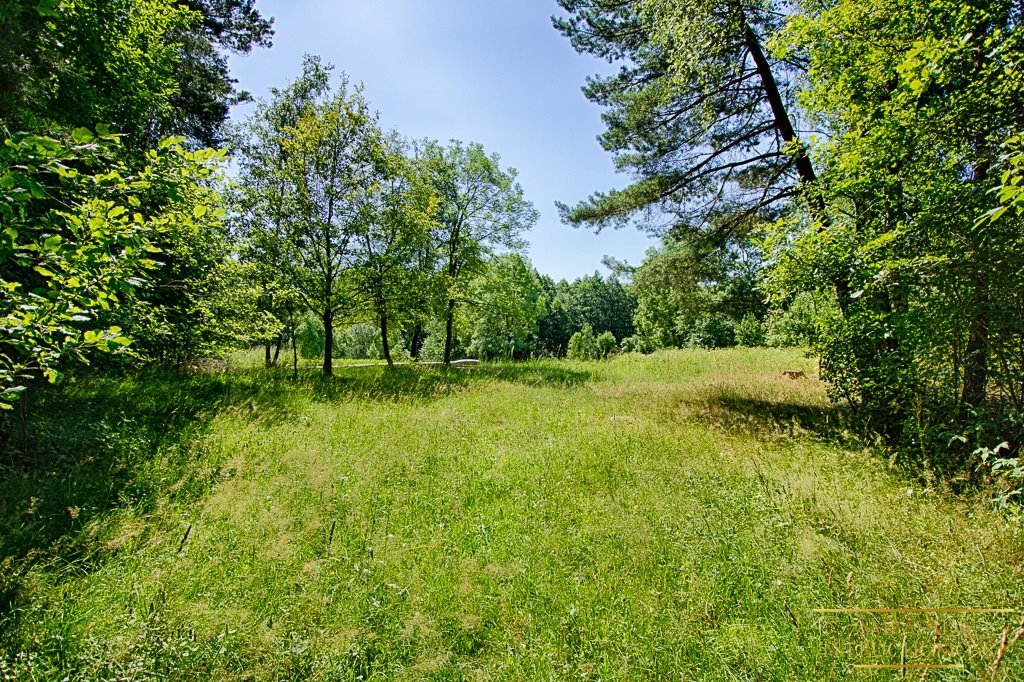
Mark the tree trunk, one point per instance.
(416, 344)
(384, 344)
(804, 167)
(266, 353)
(277, 350)
(976, 360)
(328, 343)
(449, 329)
(295, 354)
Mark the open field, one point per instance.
(676, 516)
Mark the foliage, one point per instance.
(152, 67)
(387, 268)
(583, 345)
(334, 153)
(205, 91)
(606, 344)
(802, 322)
(88, 246)
(691, 297)
(697, 112)
(507, 304)
(708, 331)
(605, 303)
(749, 332)
(919, 101)
(481, 209)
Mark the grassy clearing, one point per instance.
(674, 516)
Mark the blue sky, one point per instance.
(488, 71)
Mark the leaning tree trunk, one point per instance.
(804, 166)
(277, 350)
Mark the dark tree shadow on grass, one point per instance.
(766, 418)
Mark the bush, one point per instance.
(606, 343)
(639, 344)
(749, 332)
(309, 338)
(711, 331)
(798, 324)
(583, 345)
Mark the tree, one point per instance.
(83, 241)
(481, 209)
(698, 113)
(918, 99)
(583, 345)
(689, 297)
(152, 67)
(507, 305)
(606, 304)
(336, 156)
(394, 235)
(261, 195)
(91, 62)
(205, 90)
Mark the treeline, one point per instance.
(872, 148)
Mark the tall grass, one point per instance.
(678, 516)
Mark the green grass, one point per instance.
(677, 516)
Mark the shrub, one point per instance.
(606, 344)
(583, 345)
(799, 323)
(749, 332)
(711, 331)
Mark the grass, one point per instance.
(676, 516)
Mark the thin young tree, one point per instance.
(336, 156)
(388, 248)
(264, 187)
(481, 209)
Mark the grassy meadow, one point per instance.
(676, 516)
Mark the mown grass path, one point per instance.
(678, 516)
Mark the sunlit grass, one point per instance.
(677, 516)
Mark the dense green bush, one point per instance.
(583, 345)
(711, 330)
(797, 324)
(749, 332)
(606, 344)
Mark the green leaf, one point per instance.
(47, 8)
(82, 136)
